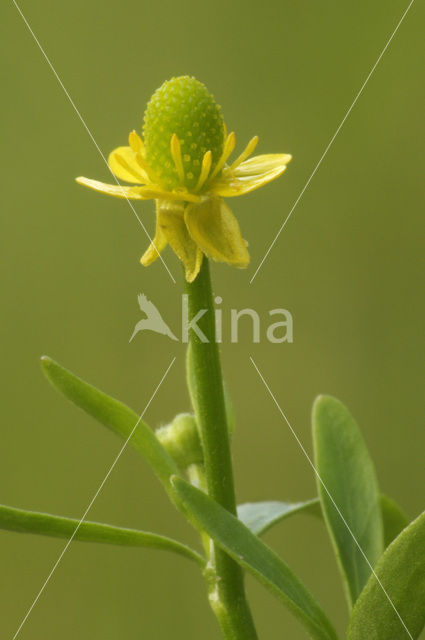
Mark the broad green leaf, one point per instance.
(401, 572)
(12, 519)
(395, 520)
(260, 516)
(113, 414)
(250, 552)
(348, 492)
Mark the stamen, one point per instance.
(176, 153)
(245, 153)
(153, 177)
(205, 169)
(136, 142)
(229, 145)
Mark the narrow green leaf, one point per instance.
(250, 552)
(348, 492)
(401, 572)
(12, 519)
(113, 414)
(260, 516)
(395, 520)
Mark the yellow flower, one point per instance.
(183, 165)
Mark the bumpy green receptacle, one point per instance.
(185, 107)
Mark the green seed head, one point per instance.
(185, 107)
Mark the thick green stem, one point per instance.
(223, 575)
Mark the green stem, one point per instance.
(223, 575)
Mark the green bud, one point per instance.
(181, 440)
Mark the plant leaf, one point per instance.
(113, 414)
(252, 554)
(401, 571)
(395, 520)
(21, 521)
(346, 470)
(260, 516)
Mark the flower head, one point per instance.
(182, 164)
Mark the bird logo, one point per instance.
(153, 321)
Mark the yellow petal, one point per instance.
(130, 193)
(216, 231)
(170, 216)
(259, 165)
(122, 162)
(250, 175)
(156, 246)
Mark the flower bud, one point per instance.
(181, 440)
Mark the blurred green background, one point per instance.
(348, 266)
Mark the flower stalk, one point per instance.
(223, 575)
(182, 162)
